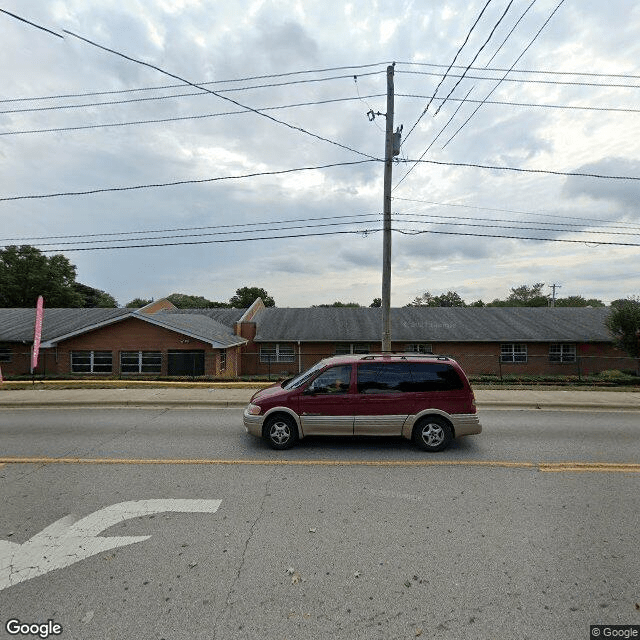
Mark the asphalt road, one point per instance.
(505, 535)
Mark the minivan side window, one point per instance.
(428, 376)
(333, 380)
(384, 378)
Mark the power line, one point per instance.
(185, 81)
(489, 235)
(524, 213)
(238, 104)
(446, 73)
(210, 233)
(520, 170)
(33, 24)
(424, 153)
(530, 104)
(180, 182)
(181, 118)
(515, 26)
(61, 107)
(363, 232)
(338, 164)
(483, 223)
(530, 81)
(486, 42)
(546, 22)
(532, 71)
(218, 226)
(214, 82)
(465, 100)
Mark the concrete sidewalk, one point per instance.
(572, 400)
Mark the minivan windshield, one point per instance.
(300, 379)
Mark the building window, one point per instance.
(421, 347)
(354, 347)
(277, 353)
(91, 362)
(223, 360)
(141, 362)
(562, 353)
(5, 354)
(513, 352)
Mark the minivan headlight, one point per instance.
(254, 410)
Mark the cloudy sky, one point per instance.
(286, 85)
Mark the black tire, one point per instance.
(432, 433)
(280, 431)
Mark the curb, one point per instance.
(492, 405)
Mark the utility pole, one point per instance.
(386, 247)
(553, 298)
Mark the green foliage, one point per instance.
(184, 301)
(377, 302)
(137, 303)
(624, 324)
(579, 301)
(339, 304)
(95, 297)
(26, 273)
(246, 296)
(449, 299)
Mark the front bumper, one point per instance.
(253, 423)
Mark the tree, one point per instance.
(26, 273)
(624, 324)
(184, 301)
(94, 297)
(377, 302)
(337, 303)
(578, 301)
(137, 303)
(449, 299)
(246, 296)
(524, 296)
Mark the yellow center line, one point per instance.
(619, 467)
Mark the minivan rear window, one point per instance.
(407, 377)
(432, 376)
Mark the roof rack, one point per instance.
(403, 355)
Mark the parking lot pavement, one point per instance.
(240, 396)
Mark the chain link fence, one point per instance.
(479, 367)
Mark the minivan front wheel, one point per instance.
(281, 432)
(432, 433)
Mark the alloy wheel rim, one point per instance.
(432, 434)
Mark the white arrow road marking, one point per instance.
(70, 539)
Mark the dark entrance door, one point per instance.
(185, 363)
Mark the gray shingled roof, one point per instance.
(223, 315)
(330, 324)
(434, 324)
(195, 325)
(16, 325)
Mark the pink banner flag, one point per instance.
(37, 334)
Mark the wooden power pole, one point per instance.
(386, 247)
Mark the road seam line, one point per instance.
(619, 467)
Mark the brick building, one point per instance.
(160, 340)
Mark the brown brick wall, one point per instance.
(132, 334)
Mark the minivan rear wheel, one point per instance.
(280, 431)
(432, 433)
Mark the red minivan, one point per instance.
(426, 398)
